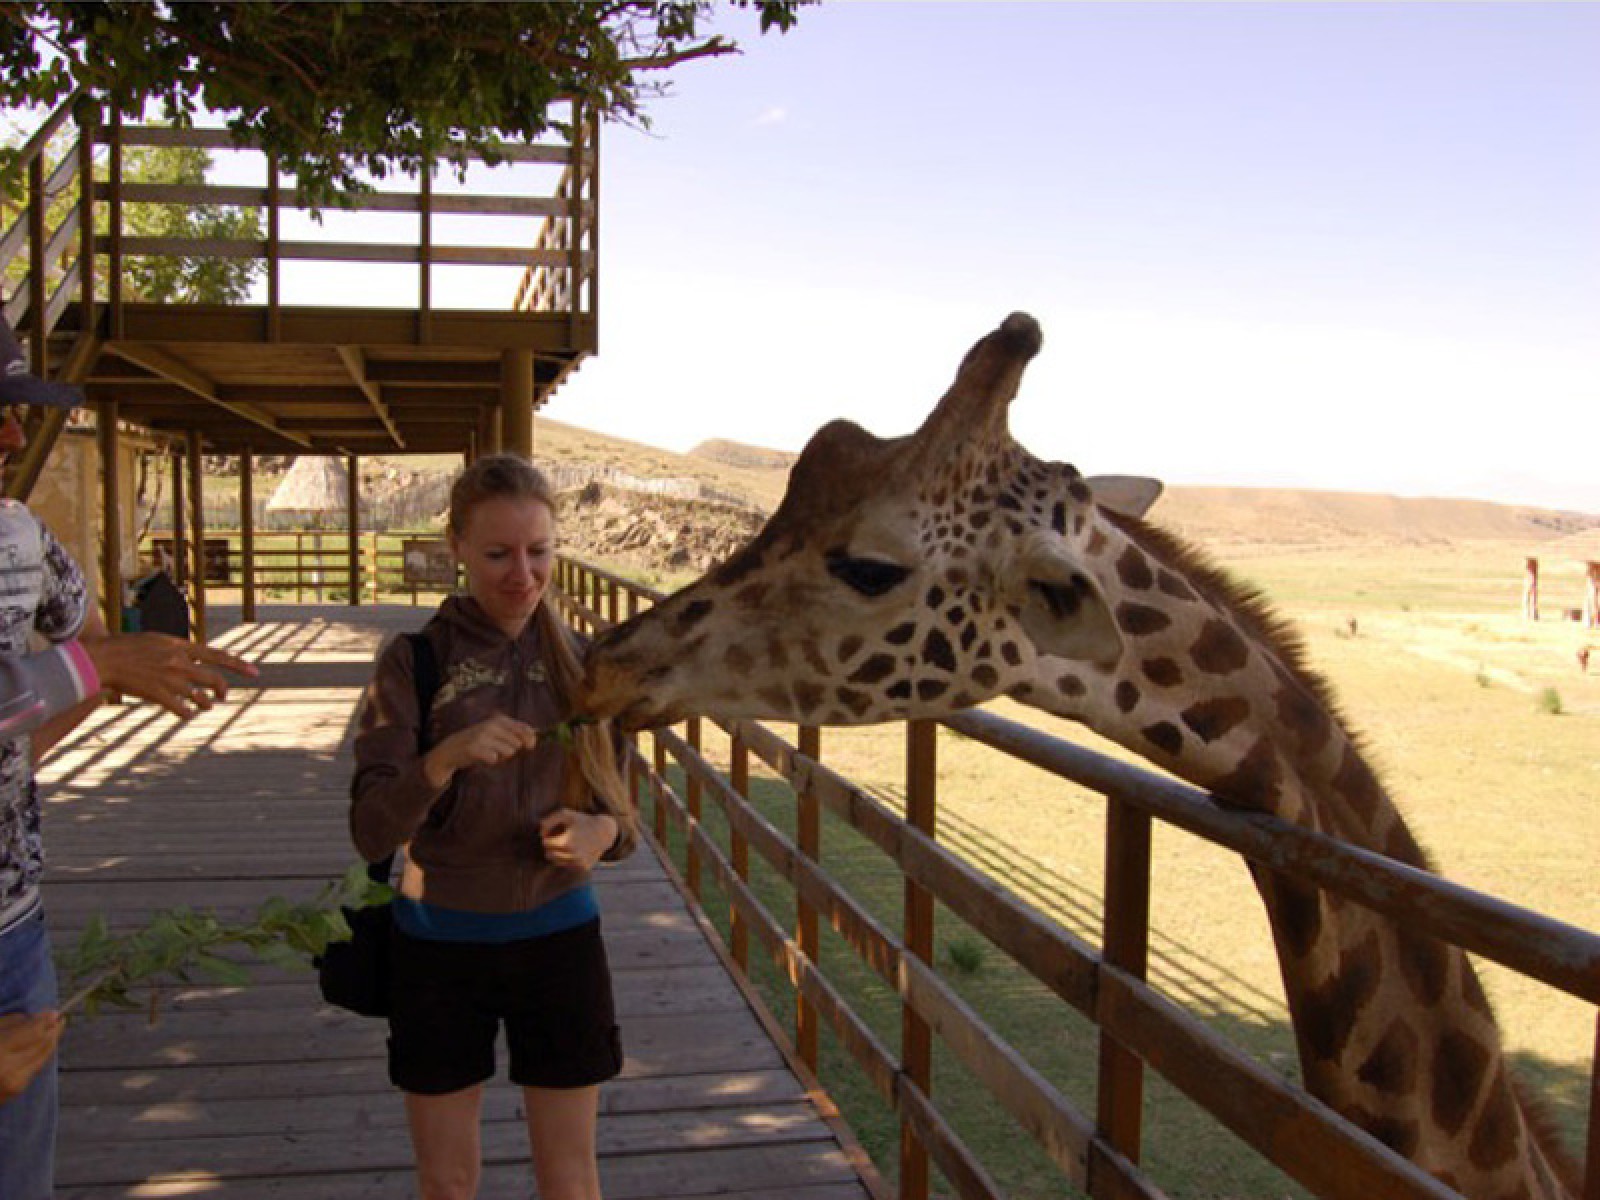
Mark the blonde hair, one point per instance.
(596, 785)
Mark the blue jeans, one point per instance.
(28, 1121)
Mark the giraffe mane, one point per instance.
(1260, 620)
(1250, 605)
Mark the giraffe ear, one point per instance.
(1063, 610)
(1130, 495)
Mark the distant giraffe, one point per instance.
(1591, 595)
(1530, 589)
(923, 574)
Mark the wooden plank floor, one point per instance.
(264, 1091)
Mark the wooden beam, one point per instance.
(247, 535)
(110, 519)
(179, 372)
(197, 543)
(356, 364)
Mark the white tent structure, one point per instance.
(315, 488)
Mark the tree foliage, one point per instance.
(340, 88)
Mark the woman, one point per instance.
(497, 921)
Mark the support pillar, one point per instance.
(110, 517)
(488, 430)
(247, 535)
(352, 465)
(197, 522)
(516, 401)
(180, 539)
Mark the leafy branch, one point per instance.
(179, 944)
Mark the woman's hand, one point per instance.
(482, 745)
(27, 1040)
(577, 839)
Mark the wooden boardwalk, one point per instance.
(264, 1091)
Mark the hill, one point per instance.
(643, 508)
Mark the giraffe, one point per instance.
(919, 575)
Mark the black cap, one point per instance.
(19, 386)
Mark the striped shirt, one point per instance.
(42, 594)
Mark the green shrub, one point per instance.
(1550, 702)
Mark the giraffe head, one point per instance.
(898, 578)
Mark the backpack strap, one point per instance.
(425, 674)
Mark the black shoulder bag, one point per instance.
(354, 975)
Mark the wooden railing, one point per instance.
(302, 566)
(559, 262)
(1138, 1027)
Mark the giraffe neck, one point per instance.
(1393, 1029)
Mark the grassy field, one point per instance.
(1450, 688)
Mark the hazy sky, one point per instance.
(1348, 246)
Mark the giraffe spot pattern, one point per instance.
(1326, 1026)
(1495, 1141)
(1140, 620)
(901, 634)
(937, 651)
(1212, 719)
(929, 690)
(1219, 650)
(1296, 915)
(1058, 518)
(1071, 686)
(1133, 568)
(808, 696)
(985, 676)
(848, 648)
(1358, 786)
(856, 703)
(1255, 782)
(738, 660)
(1164, 735)
(1425, 965)
(1171, 585)
(751, 597)
(1392, 1065)
(1126, 697)
(899, 691)
(1304, 718)
(1397, 1133)
(1459, 1065)
(875, 670)
(1162, 672)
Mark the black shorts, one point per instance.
(552, 993)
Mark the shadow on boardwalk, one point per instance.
(263, 1091)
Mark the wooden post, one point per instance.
(692, 797)
(808, 838)
(110, 517)
(352, 464)
(425, 257)
(180, 536)
(739, 848)
(274, 255)
(489, 430)
(916, 1040)
(88, 113)
(1591, 595)
(247, 535)
(516, 401)
(114, 232)
(197, 522)
(1591, 1167)
(38, 294)
(1125, 945)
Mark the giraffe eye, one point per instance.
(869, 576)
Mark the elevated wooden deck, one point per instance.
(264, 1091)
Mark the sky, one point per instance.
(1341, 246)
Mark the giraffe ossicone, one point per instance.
(920, 575)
